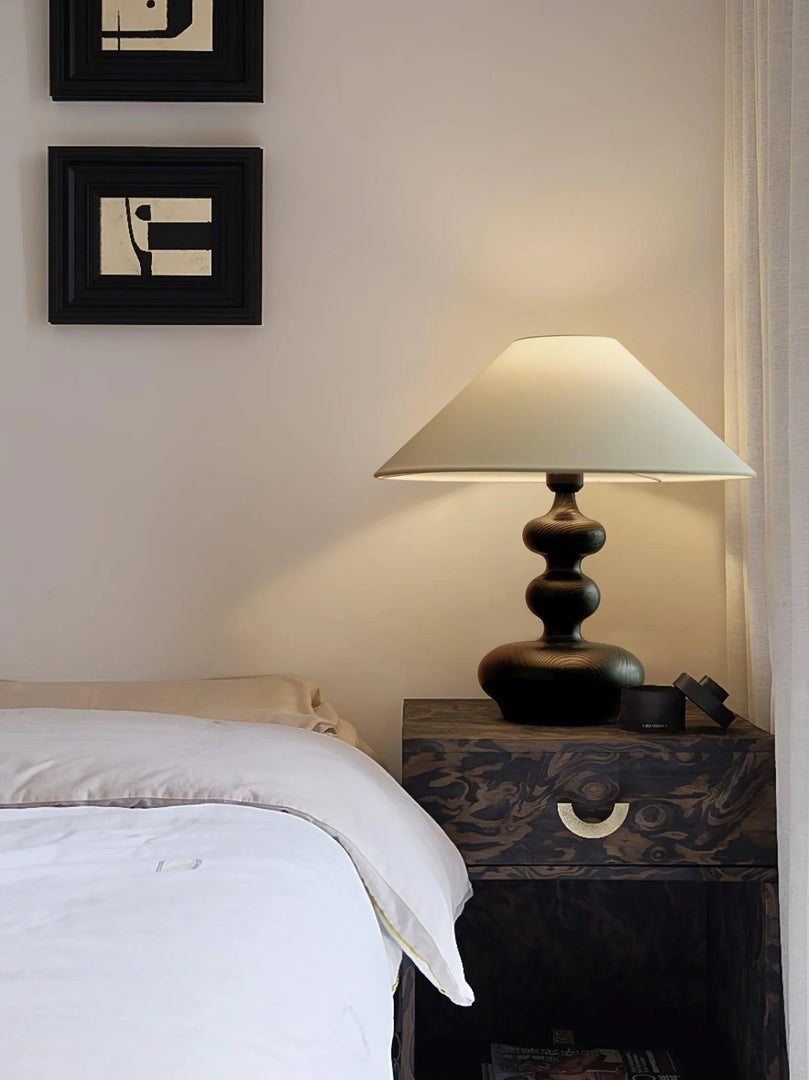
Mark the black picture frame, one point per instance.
(83, 68)
(161, 235)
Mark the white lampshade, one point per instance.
(565, 405)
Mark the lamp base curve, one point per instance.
(565, 685)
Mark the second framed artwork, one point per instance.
(155, 234)
(157, 50)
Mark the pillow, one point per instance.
(414, 874)
(285, 699)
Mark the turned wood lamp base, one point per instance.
(561, 679)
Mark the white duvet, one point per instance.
(200, 899)
(207, 942)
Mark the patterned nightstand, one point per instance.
(625, 888)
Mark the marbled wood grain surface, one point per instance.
(775, 1038)
(616, 872)
(614, 961)
(404, 1038)
(704, 797)
(667, 927)
(745, 979)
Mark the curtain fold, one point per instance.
(767, 421)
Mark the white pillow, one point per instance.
(415, 876)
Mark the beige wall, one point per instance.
(442, 177)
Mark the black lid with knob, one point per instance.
(708, 696)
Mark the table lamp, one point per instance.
(566, 410)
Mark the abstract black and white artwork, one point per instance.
(155, 235)
(157, 25)
(157, 50)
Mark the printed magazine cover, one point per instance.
(530, 1063)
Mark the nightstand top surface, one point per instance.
(466, 719)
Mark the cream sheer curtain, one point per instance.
(767, 414)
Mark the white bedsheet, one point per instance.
(203, 942)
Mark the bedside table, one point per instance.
(625, 888)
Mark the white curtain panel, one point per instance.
(767, 414)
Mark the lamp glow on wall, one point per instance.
(563, 410)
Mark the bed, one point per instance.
(210, 881)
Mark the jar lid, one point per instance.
(708, 696)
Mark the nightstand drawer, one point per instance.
(513, 796)
(639, 831)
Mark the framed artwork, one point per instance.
(157, 50)
(155, 234)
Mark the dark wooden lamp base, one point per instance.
(561, 679)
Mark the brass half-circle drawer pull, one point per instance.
(592, 830)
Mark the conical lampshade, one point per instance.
(565, 405)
